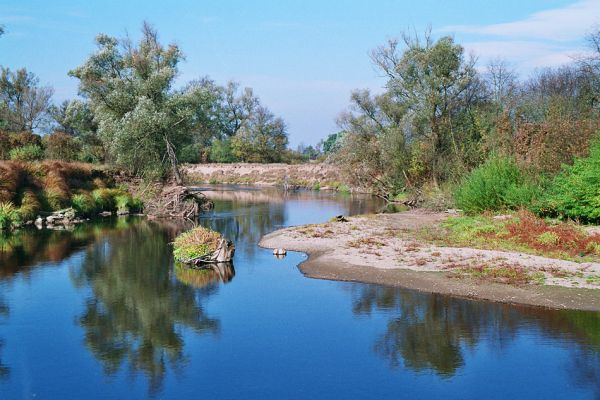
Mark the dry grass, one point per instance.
(366, 242)
(501, 273)
(49, 185)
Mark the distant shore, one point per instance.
(313, 175)
(383, 249)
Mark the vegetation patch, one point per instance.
(195, 243)
(47, 186)
(523, 232)
(502, 273)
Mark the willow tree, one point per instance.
(434, 87)
(141, 118)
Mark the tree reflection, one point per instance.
(429, 332)
(137, 308)
(23, 250)
(4, 370)
(433, 332)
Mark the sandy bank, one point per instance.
(309, 175)
(382, 249)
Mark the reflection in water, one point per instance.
(202, 277)
(136, 307)
(429, 332)
(246, 215)
(4, 370)
(27, 248)
(432, 332)
(136, 310)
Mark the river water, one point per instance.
(103, 313)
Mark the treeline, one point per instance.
(444, 132)
(131, 115)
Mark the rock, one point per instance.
(105, 214)
(503, 217)
(453, 211)
(50, 219)
(279, 252)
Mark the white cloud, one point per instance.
(526, 55)
(546, 38)
(560, 24)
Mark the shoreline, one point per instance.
(390, 264)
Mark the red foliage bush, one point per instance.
(528, 229)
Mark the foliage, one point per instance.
(141, 119)
(262, 138)
(84, 204)
(523, 232)
(30, 205)
(195, 243)
(496, 185)
(62, 146)
(30, 152)
(575, 192)
(332, 143)
(9, 216)
(191, 153)
(220, 151)
(24, 104)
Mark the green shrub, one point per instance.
(106, 198)
(497, 184)
(9, 216)
(575, 191)
(136, 205)
(84, 204)
(30, 152)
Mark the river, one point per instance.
(102, 312)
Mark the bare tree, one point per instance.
(502, 81)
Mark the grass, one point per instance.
(84, 204)
(9, 216)
(198, 242)
(522, 232)
(54, 185)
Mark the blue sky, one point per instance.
(301, 57)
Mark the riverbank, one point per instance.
(382, 249)
(319, 176)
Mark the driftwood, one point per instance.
(178, 202)
(224, 253)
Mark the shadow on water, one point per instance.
(429, 332)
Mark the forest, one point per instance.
(443, 132)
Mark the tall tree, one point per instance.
(141, 118)
(433, 83)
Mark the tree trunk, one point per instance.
(173, 160)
